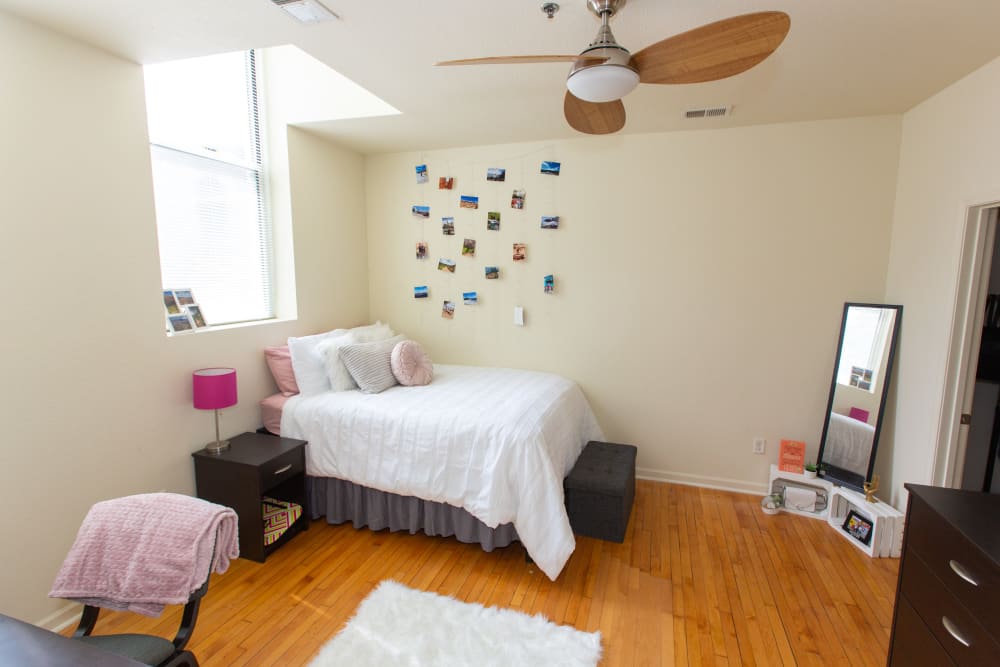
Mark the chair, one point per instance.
(140, 553)
(147, 649)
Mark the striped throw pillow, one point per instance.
(370, 364)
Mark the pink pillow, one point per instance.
(410, 364)
(279, 360)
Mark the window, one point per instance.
(866, 331)
(209, 185)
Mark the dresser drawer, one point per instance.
(280, 468)
(949, 621)
(913, 645)
(947, 552)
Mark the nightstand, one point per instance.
(255, 465)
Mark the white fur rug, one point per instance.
(396, 625)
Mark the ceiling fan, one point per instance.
(605, 71)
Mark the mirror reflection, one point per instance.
(861, 371)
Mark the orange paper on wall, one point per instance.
(791, 456)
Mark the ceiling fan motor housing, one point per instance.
(606, 81)
(603, 82)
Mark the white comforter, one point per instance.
(848, 443)
(496, 442)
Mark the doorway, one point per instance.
(978, 444)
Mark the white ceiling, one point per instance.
(841, 58)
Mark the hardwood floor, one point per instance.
(703, 578)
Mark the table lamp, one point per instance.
(214, 389)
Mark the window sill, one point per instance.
(229, 327)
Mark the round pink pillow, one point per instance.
(410, 364)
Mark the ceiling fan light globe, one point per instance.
(602, 83)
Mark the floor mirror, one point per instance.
(862, 367)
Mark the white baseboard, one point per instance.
(62, 618)
(722, 483)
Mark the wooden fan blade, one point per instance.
(714, 51)
(520, 60)
(594, 117)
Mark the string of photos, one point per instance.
(493, 220)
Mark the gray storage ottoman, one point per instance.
(600, 489)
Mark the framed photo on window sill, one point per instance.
(180, 323)
(197, 318)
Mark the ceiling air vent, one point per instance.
(306, 11)
(716, 112)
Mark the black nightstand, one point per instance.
(255, 465)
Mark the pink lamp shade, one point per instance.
(214, 388)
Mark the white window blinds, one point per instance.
(208, 181)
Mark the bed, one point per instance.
(479, 453)
(848, 444)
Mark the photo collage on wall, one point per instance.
(471, 202)
(182, 311)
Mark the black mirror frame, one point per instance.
(890, 363)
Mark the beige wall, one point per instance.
(97, 400)
(948, 162)
(700, 276)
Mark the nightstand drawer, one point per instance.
(281, 468)
(947, 553)
(954, 626)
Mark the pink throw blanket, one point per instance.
(142, 552)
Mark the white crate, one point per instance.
(799, 479)
(886, 520)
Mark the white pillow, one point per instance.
(372, 332)
(338, 377)
(370, 365)
(308, 364)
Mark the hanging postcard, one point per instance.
(552, 168)
(446, 183)
(420, 292)
(470, 298)
(469, 247)
(493, 221)
(448, 226)
(492, 272)
(448, 310)
(520, 252)
(468, 201)
(421, 250)
(550, 222)
(446, 265)
(549, 283)
(422, 211)
(496, 174)
(517, 199)
(421, 173)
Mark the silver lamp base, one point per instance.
(217, 447)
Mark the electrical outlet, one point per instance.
(758, 445)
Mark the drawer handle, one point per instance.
(953, 631)
(285, 469)
(958, 569)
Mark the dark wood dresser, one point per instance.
(948, 596)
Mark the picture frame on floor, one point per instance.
(858, 527)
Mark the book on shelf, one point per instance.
(791, 456)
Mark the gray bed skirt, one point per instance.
(341, 501)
